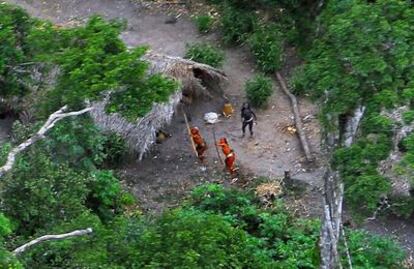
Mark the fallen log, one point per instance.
(298, 120)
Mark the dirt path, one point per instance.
(171, 168)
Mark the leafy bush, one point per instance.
(105, 192)
(258, 90)
(266, 44)
(372, 251)
(76, 142)
(4, 152)
(235, 205)
(39, 194)
(205, 53)
(402, 206)
(408, 116)
(15, 26)
(237, 24)
(218, 244)
(204, 23)
(369, 189)
(114, 149)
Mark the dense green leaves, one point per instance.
(371, 251)
(92, 60)
(258, 90)
(237, 24)
(40, 194)
(14, 28)
(205, 53)
(266, 44)
(204, 23)
(361, 56)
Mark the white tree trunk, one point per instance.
(49, 124)
(23, 248)
(332, 229)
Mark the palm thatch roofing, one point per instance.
(195, 79)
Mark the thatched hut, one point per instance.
(195, 79)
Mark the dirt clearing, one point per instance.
(170, 169)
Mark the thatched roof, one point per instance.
(194, 77)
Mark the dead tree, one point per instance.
(49, 124)
(50, 237)
(333, 196)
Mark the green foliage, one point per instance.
(205, 53)
(78, 252)
(104, 195)
(204, 23)
(361, 56)
(408, 116)
(237, 24)
(402, 206)
(39, 193)
(134, 103)
(266, 44)
(258, 90)
(372, 251)
(15, 25)
(92, 60)
(386, 98)
(367, 189)
(171, 243)
(76, 142)
(236, 206)
(282, 234)
(4, 152)
(114, 149)
(357, 165)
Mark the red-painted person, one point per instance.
(230, 155)
(199, 142)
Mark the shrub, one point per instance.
(114, 149)
(76, 142)
(237, 206)
(372, 251)
(236, 24)
(205, 53)
(204, 23)
(408, 116)
(367, 189)
(194, 239)
(258, 90)
(266, 44)
(39, 193)
(104, 195)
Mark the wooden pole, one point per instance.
(189, 132)
(215, 144)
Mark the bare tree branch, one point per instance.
(49, 124)
(23, 248)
